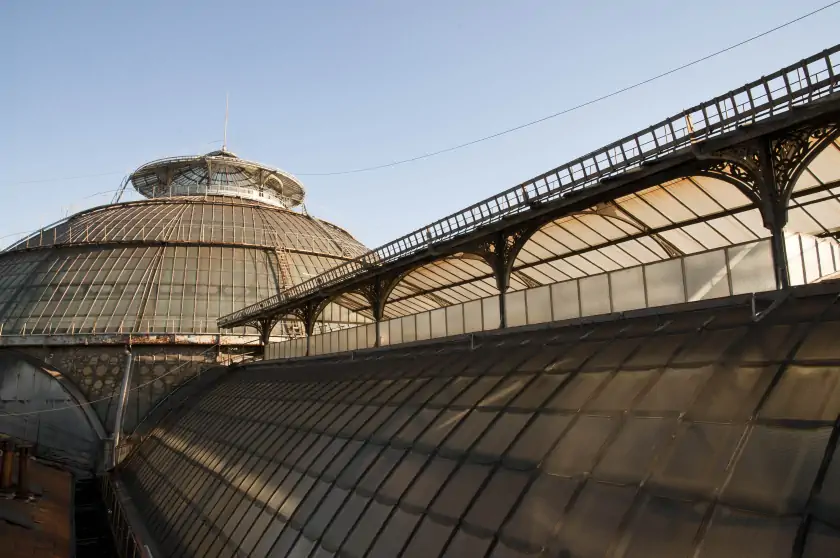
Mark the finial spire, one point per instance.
(227, 102)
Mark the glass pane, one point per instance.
(751, 267)
(576, 393)
(664, 283)
(577, 450)
(811, 258)
(361, 337)
(428, 540)
(424, 328)
(565, 303)
(794, 257)
(472, 316)
(665, 528)
(515, 308)
(828, 500)
(827, 265)
(384, 333)
(469, 430)
(738, 534)
(540, 510)
(627, 288)
(595, 295)
(371, 335)
(697, 462)
(453, 499)
(537, 439)
(467, 544)
(438, 318)
(409, 329)
(706, 275)
(424, 489)
(621, 390)
(538, 302)
(367, 528)
(731, 393)
(777, 469)
(345, 520)
(393, 537)
(675, 389)
(497, 439)
(591, 524)
(822, 541)
(490, 311)
(496, 500)
(629, 457)
(805, 393)
(455, 320)
(401, 477)
(821, 343)
(395, 331)
(539, 390)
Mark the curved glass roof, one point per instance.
(692, 432)
(163, 265)
(680, 217)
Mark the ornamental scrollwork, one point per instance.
(793, 151)
(787, 156)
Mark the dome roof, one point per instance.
(198, 219)
(169, 265)
(219, 173)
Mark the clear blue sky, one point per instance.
(98, 87)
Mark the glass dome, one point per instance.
(172, 263)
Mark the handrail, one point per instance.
(795, 85)
(126, 539)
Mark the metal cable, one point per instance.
(579, 106)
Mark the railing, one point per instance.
(125, 540)
(221, 189)
(223, 161)
(801, 83)
(49, 326)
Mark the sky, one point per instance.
(99, 88)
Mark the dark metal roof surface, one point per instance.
(691, 431)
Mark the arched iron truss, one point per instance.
(759, 145)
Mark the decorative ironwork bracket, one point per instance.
(308, 313)
(767, 169)
(500, 252)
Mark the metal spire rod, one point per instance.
(227, 103)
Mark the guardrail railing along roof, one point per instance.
(801, 83)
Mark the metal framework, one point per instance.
(218, 173)
(216, 233)
(746, 152)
